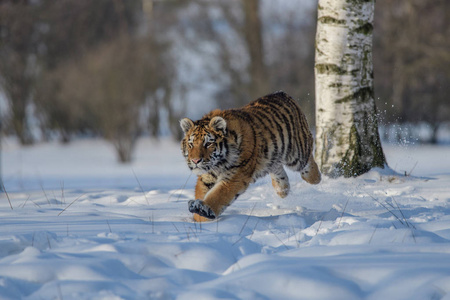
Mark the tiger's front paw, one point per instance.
(199, 207)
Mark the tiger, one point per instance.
(230, 149)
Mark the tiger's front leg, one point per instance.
(218, 198)
(204, 184)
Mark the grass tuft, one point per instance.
(70, 204)
(6, 193)
(140, 186)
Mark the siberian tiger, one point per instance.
(229, 149)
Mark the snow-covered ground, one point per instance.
(83, 227)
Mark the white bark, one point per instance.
(347, 139)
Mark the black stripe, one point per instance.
(282, 119)
(302, 133)
(243, 115)
(264, 144)
(209, 185)
(234, 135)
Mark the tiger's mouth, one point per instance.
(198, 171)
(199, 168)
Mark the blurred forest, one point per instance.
(120, 69)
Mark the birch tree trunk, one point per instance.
(259, 83)
(347, 138)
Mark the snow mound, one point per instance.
(379, 236)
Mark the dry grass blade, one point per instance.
(403, 215)
(43, 190)
(6, 193)
(187, 232)
(70, 204)
(373, 233)
(342, 215)
(248, 217)
(250, 237)
(409, 174)
(23, 205)
(320, 224)
(238, 240)
(181, 190)
(109, 226)
(390, 211)
(140, 186)
(63, 197)
(48, 241)
(195, 234)
(278, 238)
(253, 231)
(175, 227)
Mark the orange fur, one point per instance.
(230, 149)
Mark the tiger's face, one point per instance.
(202, 145)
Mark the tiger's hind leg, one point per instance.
(280, 181)
(310, 173)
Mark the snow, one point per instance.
(84, 227)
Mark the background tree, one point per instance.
(167, 104)
(73, 29)
(412, 62)
(290, 40)
(347, 139)
(112, 82)
(244, 51)
(18, 49)
(259, 77)
(207, 54)
(116, 81)
(251, 48)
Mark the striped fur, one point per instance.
(230, 149)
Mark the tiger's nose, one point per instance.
(196, 160)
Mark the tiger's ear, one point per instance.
(186, 124)
(218, 124)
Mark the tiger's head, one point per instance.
(202, 145)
